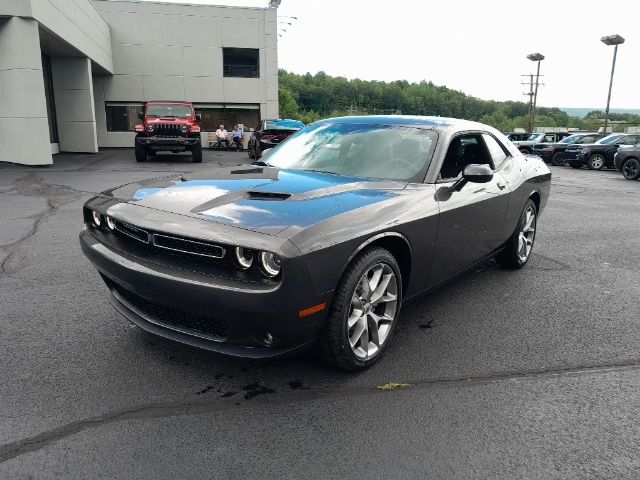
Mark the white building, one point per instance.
(75, 73)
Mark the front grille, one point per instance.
(189, 322)
(188, 246)
(133, 232)
(168, 130)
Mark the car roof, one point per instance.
(413, 121)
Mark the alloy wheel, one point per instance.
(596, 162)
(631, 169)
(374, 304)
(527, 234)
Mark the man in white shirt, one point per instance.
(221, 135)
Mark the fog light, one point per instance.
(244, 257)
(184, 128)
(150, 128)
(270, 263)
(97, 219)
(111, 224)
(268, 339)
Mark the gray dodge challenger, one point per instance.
(319, 242)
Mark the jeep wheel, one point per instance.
(141, 153)
(525, 151)
(595, 162)
(631, 169)
(557, 159)
(196, 153)
(250, 151)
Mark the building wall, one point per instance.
(174, 52)
(24, 130)
(73, 94)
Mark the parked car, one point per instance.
(627, 161)
(526, 146)
(599, 154)
(517, 136)
(271, 133)
(347, 219)
(168, 126)
(554, 152)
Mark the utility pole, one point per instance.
(530, 95)
(611, 40)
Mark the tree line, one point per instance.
(312, 97)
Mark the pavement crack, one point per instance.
(12, 450)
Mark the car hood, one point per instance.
(263, 199)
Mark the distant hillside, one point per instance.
(581, 112)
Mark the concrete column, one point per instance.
(75, 109)
(24, 130)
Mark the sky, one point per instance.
(477, 47)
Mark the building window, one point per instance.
(241, 62)
(228, 115)
(48, 96)
(122, 117)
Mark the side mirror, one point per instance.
(141, 115)
(198, 118)
(474, 173)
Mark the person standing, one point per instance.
(221, 135)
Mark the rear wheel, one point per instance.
(196, 153)
(141, 153)
(250, 151)
(364, 311)
(518, 248)
(631, 169)
(596, 162)
(558, 159)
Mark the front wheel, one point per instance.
(141, 153)
(595, 162)
(558, 159)
(525, 151)
(517, 251)
(631, 169)
(364, 311)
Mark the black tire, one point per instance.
(250, 151)
(333, 344)
(509, 257)
(196, 153)
(631, 169)
(557, 159)
(575, 165)
(596, 161)
(141, 153)
(525, 151)
(257, 152)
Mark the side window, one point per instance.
(464, 150)
(496, 151)
(550, 138)
(630, 140)
(587, 139)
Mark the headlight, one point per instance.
(96, 219)
(184, 128)
(111, 224)
(244, 257)
(150, 128)
(270, 263)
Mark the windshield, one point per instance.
(358, 150)
(283, 124)
(534, 136)
(175, 111)
(609, 139)
(571, 139)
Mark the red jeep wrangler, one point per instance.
(168, 126)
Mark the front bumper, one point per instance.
(208, 312)
(168, 143)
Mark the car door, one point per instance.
(471, 221)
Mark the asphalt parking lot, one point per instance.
(513, 374)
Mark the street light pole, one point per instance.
(611, 40)
(535, 57)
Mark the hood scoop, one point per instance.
(267, 196)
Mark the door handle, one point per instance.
(501, 185)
